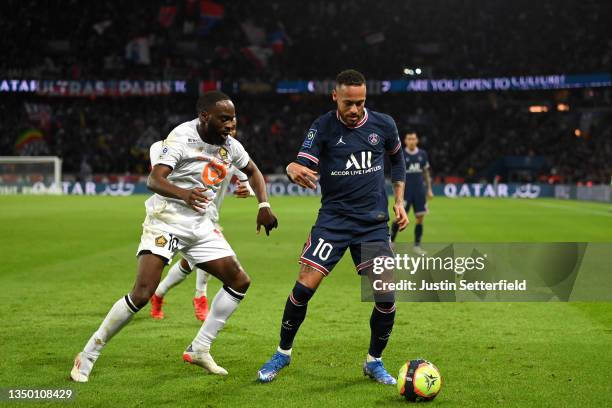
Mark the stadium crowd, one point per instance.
(466, 134)
(268, 39)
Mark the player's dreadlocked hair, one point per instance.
(350, 77)
(208, 99)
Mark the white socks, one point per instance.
(175, 275)
(369, 359)
(119, 315)
(223, 305)
(201, 283)
(285, 352)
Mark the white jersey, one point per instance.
(212, 211)
(194, 164)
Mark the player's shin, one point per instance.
(381, 325)
(418, 234)
(200, 301)
(201, 283)
(394, 230)
(294, 315)
(120, 314)
(176, 275)
(223, 305)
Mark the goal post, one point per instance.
(30, 175)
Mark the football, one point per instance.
(419, 380)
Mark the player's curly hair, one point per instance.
(350, 77)
(208, 99)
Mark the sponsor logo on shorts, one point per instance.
(161, 241)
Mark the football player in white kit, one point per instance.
(195, 159)
(181, 269)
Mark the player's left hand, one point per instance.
(266, 218)
(429, 194)
(400, 216)
(242, 191)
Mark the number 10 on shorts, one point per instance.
(322, 250)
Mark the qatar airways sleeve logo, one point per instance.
(358, 164)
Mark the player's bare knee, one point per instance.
(238, 279)
(185, 265)
(141, 293)
(310, 277)
(139, 298)
(241, 282)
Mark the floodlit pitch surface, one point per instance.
(66, 260)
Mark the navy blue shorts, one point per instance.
(324, 248)
(418, 201)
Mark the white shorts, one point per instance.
(197, 241)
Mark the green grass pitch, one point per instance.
(66, 260)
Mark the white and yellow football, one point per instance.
(419, 380)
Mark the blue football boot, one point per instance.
(376, 370)
(270, 370)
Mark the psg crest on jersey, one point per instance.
(373, 138)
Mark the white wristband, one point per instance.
(265, 204)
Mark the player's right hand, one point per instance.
(197, 199)
(401, 218)
(267, 219)
(302, 175)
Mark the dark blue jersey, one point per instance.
(416, 162)
(350, 162)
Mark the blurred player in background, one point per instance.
(181, 269)
(418, 187)
(347, 147)
(194, 160)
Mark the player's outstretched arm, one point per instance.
(265, 216)
(158, 183)
(302, 175)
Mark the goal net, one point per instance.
(30, 175)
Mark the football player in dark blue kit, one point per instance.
(418, 187)
(346, 148)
